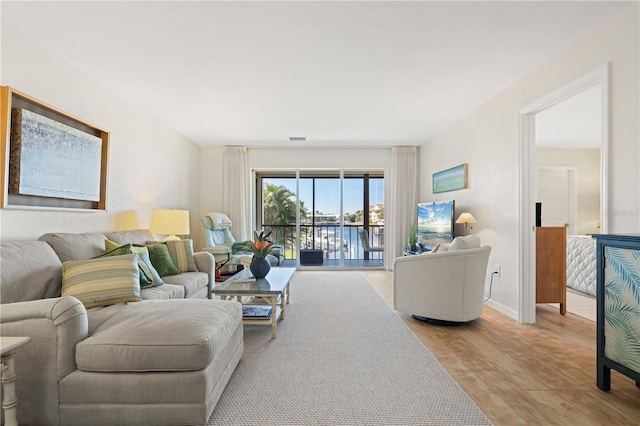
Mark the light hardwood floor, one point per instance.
(526, 374)
(580, 304)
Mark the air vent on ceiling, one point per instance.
(297, 139)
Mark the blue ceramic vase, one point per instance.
(260, 267)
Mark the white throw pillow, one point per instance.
(441, 248)
(465, 243)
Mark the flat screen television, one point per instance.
(435, 223)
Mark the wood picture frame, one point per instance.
(51, 159)
(451, 179)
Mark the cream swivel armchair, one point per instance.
(446, 287)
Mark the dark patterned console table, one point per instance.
(618, 307)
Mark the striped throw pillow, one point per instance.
(103, 281)
(149, 277)
(181, 253)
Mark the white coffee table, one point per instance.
(272, 290)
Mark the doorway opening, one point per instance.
(596, 84)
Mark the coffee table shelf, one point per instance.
(273, 289)
(263, 321)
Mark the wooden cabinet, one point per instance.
(618, 307)
(551, 266)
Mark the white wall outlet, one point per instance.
(497, 270)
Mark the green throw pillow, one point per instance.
(148, 275)
(110, 245)
(117, 251)
(161, 260)
(102, 282)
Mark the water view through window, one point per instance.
(329, 223)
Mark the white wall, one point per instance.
(488, 141)
(587, 164)
(150, 165)
(329, 158)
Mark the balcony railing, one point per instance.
(327, 238)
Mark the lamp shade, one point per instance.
(466, 218)
(170, 222)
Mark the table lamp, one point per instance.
(170, 222)
(466, 218)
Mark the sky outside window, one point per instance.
(328, 190)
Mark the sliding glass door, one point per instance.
(319, 216)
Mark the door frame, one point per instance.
(527, 187)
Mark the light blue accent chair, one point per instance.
(218, 240)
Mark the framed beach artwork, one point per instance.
(451, 179)
(54, 160)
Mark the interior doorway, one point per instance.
(568, 144)
(555, 191)
(597, 81)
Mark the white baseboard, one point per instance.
(502, 309)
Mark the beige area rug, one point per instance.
(342, 356)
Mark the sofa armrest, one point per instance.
(205, 262)
(55, 327)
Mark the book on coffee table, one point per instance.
(257, 312)
(244, 279)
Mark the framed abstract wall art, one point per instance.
(53, 160)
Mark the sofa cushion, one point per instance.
(29, 270)
(71, 246)
(160, 335)
(191, 281)
(135, 236)
(164, 292)
(465, 243)
(103, 281)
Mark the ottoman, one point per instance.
(153, 362)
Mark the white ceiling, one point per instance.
(339, 73)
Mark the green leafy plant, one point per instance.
(260, 246)
(413, 236)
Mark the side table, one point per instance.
(8, 346)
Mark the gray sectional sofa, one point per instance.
(163, 360)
